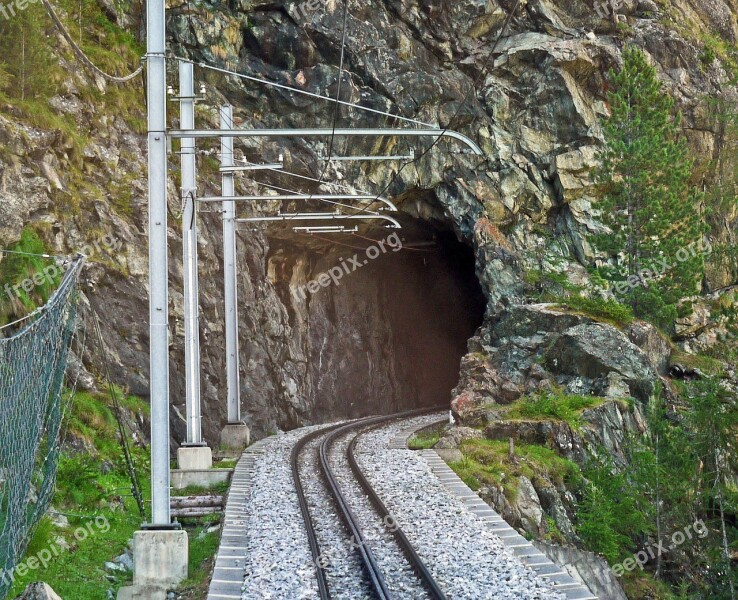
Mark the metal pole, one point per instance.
(158, 263)
(229, 268)
(189, 256)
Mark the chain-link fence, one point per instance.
(33, 359)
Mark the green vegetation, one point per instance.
(424, 440)
(721, 175)
(33, 72)
(94, 492)
(199, 490)
(225, 464)
(706, 364)
(34, 76)
(649, 204)
(15, 269)
(488, 462)
(605, 310)
(676, 475)
(203, 547)
(716, 47)
(553, 405)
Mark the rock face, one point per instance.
(363, 345)
(707, 323)
(529, 348)
(598, 353)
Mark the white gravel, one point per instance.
(278, 563)
(467, 560)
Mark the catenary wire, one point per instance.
(81, 55)
(465, 99)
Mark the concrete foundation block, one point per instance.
(160, 558)
(235, 437)
(142, 592)
(206, 478)
(194, 458)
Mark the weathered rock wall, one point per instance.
(535, 114)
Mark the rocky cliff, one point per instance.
(392, 333)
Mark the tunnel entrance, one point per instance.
(388, 335)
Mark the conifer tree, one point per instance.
(26, 54)
(713, 420)
(649, 206)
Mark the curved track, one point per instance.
(372, 571)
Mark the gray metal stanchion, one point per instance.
(194, 455)
(160, 551)
(235, 435)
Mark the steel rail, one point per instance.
(416, 562)
(376, 578)
(305, 509)
(332, 433)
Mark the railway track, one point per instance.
(376, 581)
(287, 537)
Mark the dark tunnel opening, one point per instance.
(390, 334)
(436, 306)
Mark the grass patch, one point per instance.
(199, 490)
(606, 311)
(229, 463)
(472, 473)
(203, 547)
(38, 113)
(706, 364)
(487, 462)
(554, 405)
(17, 269)
(424, 440)
(93, 492)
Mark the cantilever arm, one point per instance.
(361, 132)
(382, 199)
(285, 197)
(321, 217)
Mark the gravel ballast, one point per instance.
(278, 563)
(468, 561)
(401, 579)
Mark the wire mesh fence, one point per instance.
(33, 359)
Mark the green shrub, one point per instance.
(598, 525)
(487, 462)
